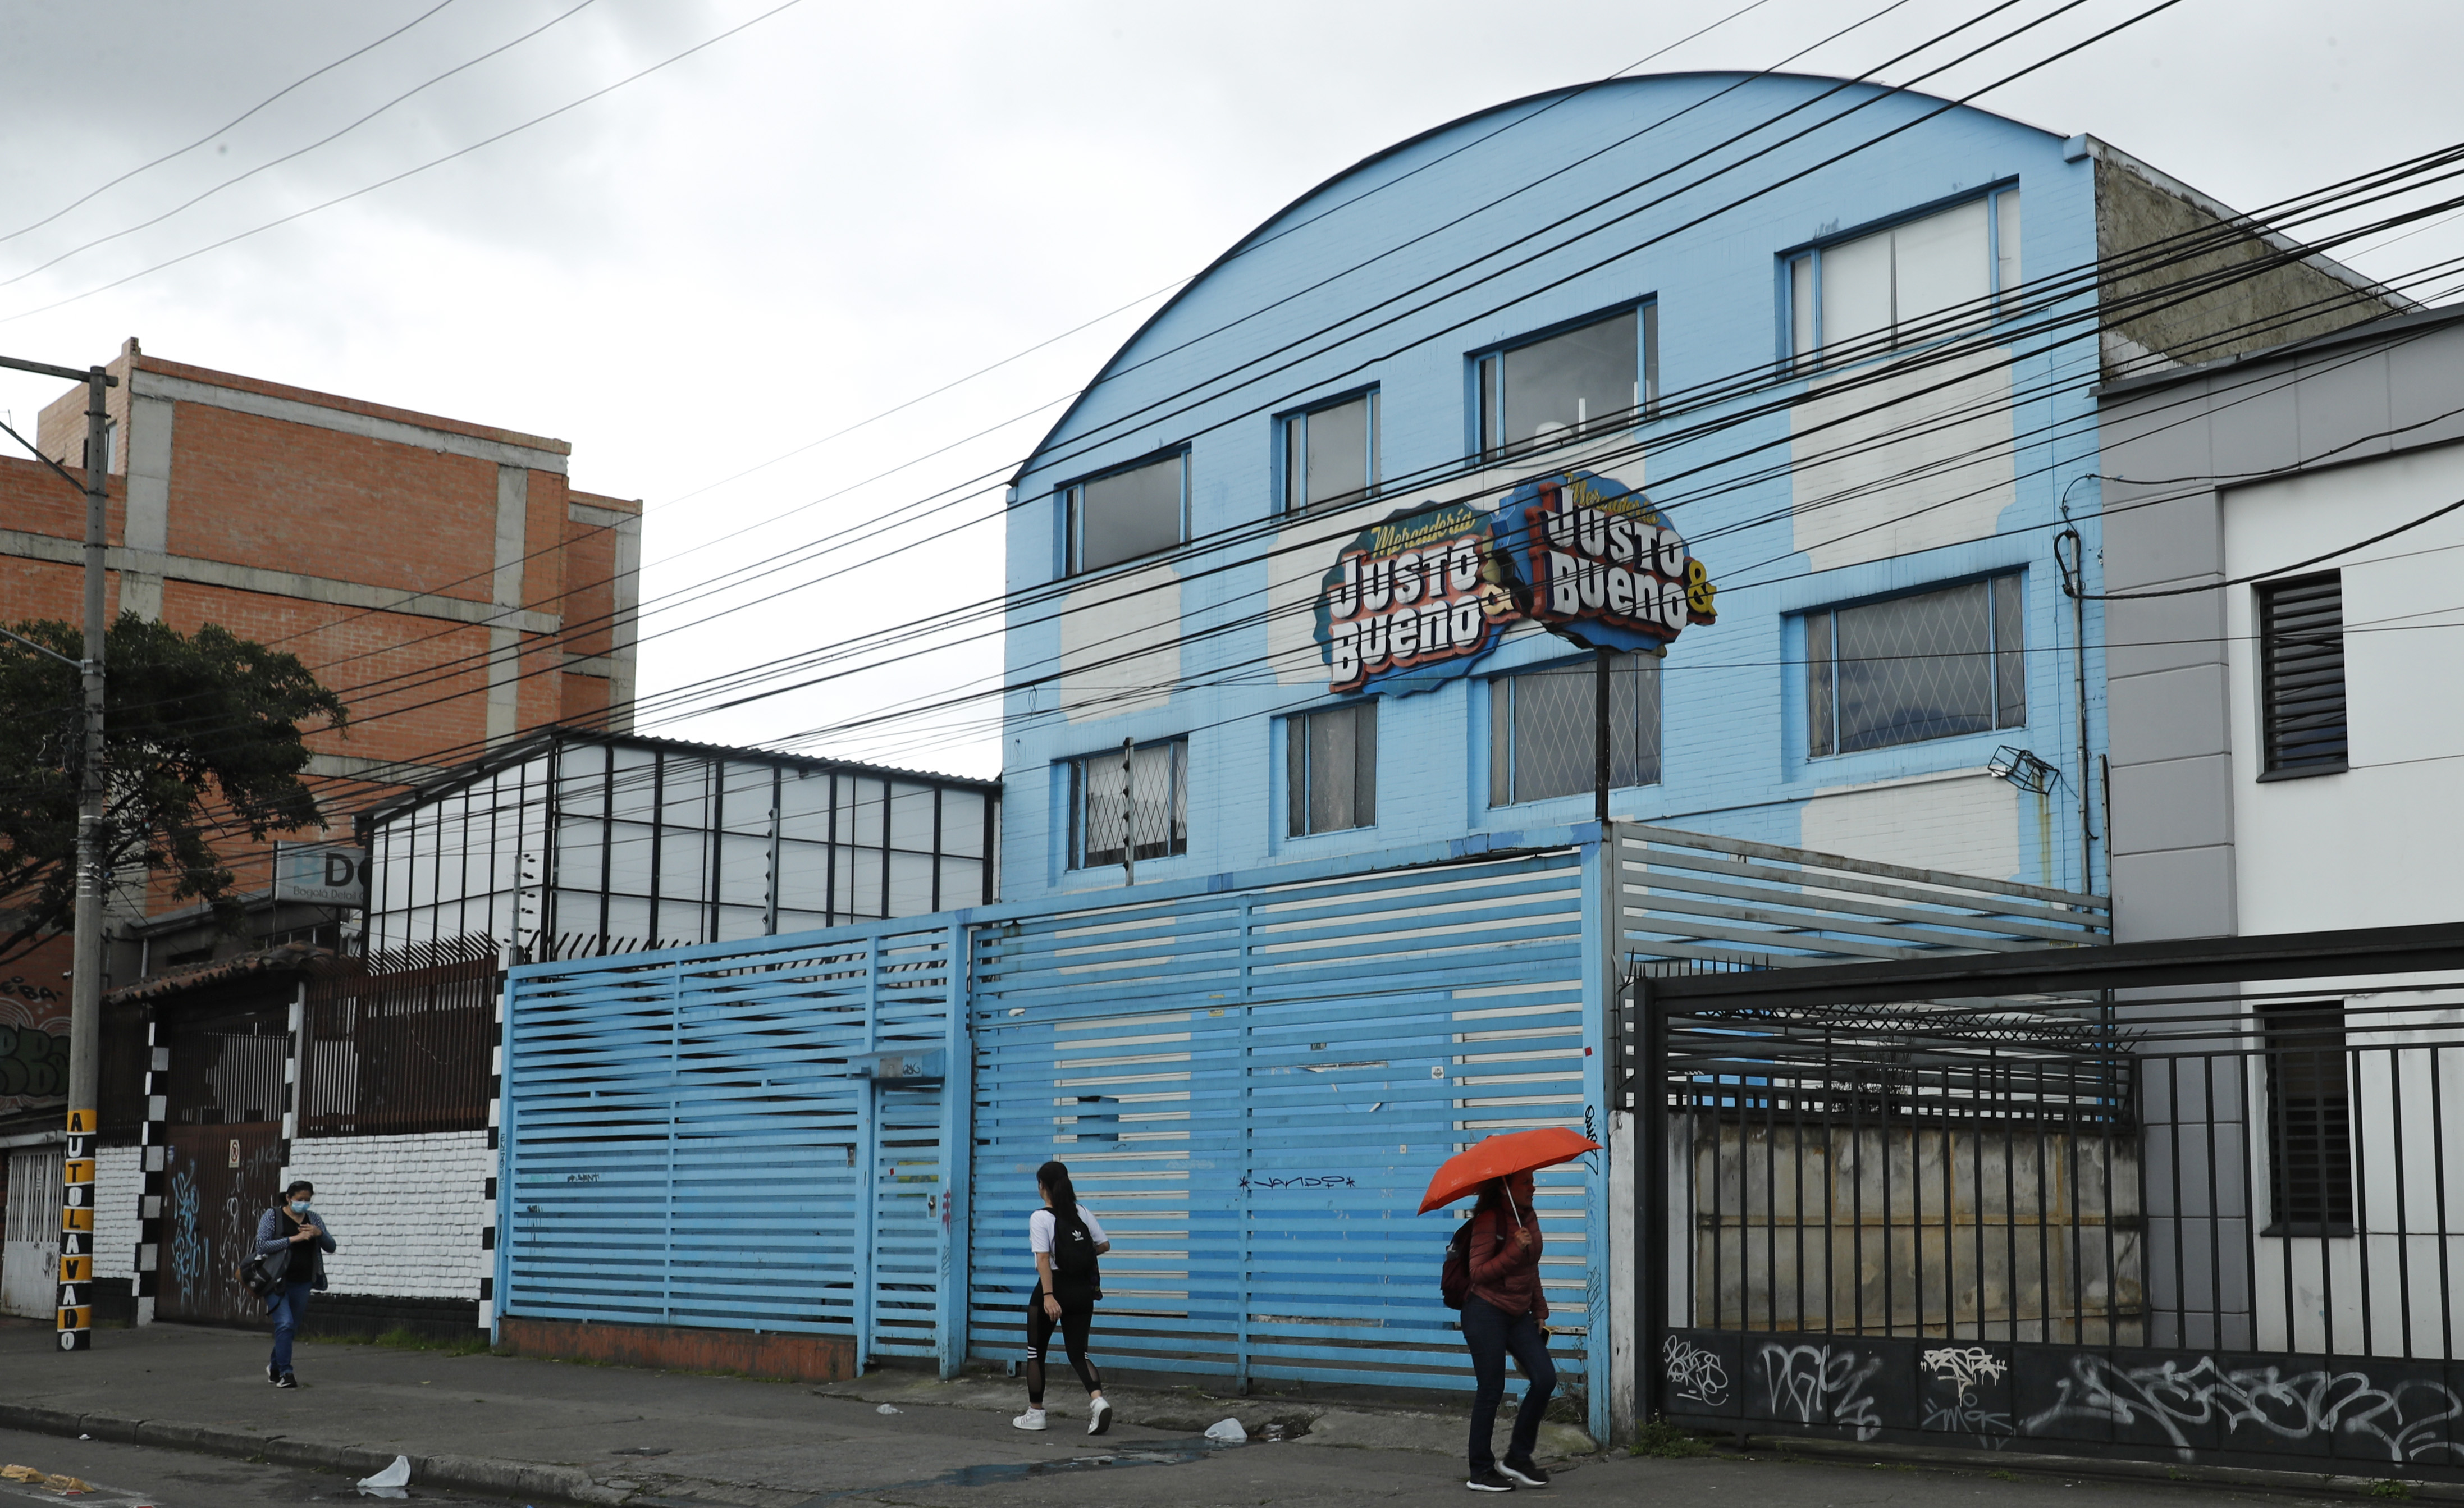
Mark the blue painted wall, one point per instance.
(1212, 370)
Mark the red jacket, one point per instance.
(1506, 1276)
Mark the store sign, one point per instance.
(325, 873)
(1413, 602)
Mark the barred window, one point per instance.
(1543, 733)
(1930, 666)
(2310, 1119)
(1121, 798)
(1331, 768)
(2302, 674)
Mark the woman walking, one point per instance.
(292, 1225)
(1066, 1240)
(1506, 1313)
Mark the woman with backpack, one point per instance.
(1066, 1241)
(290, 1226)
(1506, 1313)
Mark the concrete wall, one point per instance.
(2248, 467)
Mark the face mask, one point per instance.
(299, 1206)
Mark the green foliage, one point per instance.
(203, 741)
(2388, 1487)
(1660, 1437)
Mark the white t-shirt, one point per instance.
(1040, 1227)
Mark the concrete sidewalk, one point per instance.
(540, 1431)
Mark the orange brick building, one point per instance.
(441, 575)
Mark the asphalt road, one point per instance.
(142, 1477)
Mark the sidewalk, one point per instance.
(546, 1433)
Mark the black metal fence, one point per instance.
(2191, 1224)
(401, 1043)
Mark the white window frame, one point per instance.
(1802, 345)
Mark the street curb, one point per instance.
(1843, 1452)
(478, 1473)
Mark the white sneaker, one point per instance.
(1032, 1419)
(1099, 1416)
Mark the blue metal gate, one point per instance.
(732, 1136)
(1252, 1089)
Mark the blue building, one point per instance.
(1767, 400)
(1842, 340)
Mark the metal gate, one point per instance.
(29, 1254)
(224, 1158)
(743, 1135)
(2198, 1224)
(1252, 1088)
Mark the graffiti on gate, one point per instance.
(1694, 1374)
(1953, 1375)
(1822, 1385)
(190, 1256)
(2404, 1419)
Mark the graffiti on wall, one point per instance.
(2406, 1419)
(33, 1045)
(1822, 1385)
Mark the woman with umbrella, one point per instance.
(1505, 1313)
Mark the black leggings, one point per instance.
(1074, 1325)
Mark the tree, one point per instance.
(201, 741)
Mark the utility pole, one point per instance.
(1601, 740)
(75, 1296)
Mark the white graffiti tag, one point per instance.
(1965, 1365)
(1822, 1385)
(1962, 1369)
(2406, 1419)
(1694, 1374)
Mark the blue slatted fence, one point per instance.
(1252, 1088)
(686, 1140)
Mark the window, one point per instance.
(1126, 514)
(1331, 768)
(2309, 1118)
(1931, 666)
(1590, 380)
(1543, 736)
(2302, 674)
(1331, 454)
(1916, 281)
(1139, 796)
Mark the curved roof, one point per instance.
(1241, 246)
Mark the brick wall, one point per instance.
(407, 1211)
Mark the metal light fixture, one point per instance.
(2023, 769)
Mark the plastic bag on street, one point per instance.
(389, 1482)
(884, 1408)
(1227, 1431)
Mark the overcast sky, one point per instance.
(843, 208)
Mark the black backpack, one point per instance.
(1454, 1278)
(1074, 1256)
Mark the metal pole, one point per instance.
(1600, 740)
(1129, 816)
(1650, 1204)
(85, 978)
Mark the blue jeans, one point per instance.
(289, 1307)
(1492, 1334)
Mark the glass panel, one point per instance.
(1128, 514)
(1334, 768)
(743, 870)
(1856, 291)
(1557, 389)
(629, 859)
(1490, 432)
(911, 817)
(843, 883)
(1800, 306)
(581, 778)
(801, 921)
(1915, 668)
(746, 807)
(1818, 732)
(963, 823)
(1943, 266)
(628, 920)
(1337, 451)
(804, 805)
(576, 914)
(682, 873)
(2009, 654)
(632, 795)
(803, 877)
(1634, 726)
(866, 880)
(685, 792)
(911, 884)
(740, 921)
(1296, 463)
(862, 822)
(2006, 238)
(1553, 732)
(962, 883)
(1651, 357)
(1296, 776)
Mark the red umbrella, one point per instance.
(1514, 1152)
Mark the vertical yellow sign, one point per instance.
(77, 1236)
